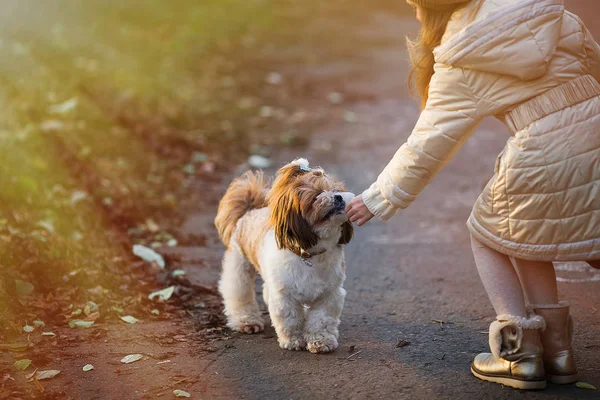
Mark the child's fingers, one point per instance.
(352, 213)
(363, 220)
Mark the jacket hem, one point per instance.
(536, 252)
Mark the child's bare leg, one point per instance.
(500, 280)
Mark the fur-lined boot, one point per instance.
(557, 340)
(516, 358)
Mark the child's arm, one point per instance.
(593, 52)
(591, 48)
(449, 118)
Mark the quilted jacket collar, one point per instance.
(507, 37)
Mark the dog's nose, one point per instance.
(338, 199)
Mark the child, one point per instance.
(535, 66)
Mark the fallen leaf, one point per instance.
(76, 312)
(22, 365)
(260, 162)
(31, 375)
(129, 319)
(152, 226)
(48, 334)
(149, 255)
(23, 288)
(88, 367)
(199, 157)
(51, 373)
(28, 328)
(39, 323)
(15, 347)
(350, 117)
(46, 225)
(155, 312)
(274, 78)
(583, 385)
(335, 98)
(181, 393)
(131, 358)
(64, 107)
(90, 307)
(178, 272)
(164, 294)
(118, 309)
(172, 242)
(51, 125)
(79, 323)
(77, 196)
(93, 316)
(189, 169)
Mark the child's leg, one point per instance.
(516, 358)
(539, 283)
(500, 280)
(538, 280)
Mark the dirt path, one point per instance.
(403, 276)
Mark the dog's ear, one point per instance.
(292, 231)
(347, 233)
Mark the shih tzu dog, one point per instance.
(293, 235)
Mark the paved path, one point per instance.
(402, 275)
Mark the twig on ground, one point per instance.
(352, 355)
(439, 321)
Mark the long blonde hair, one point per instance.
(433, 27)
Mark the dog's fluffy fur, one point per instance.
(292, 235)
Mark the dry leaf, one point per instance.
(129, 319)
(51, 373)
(164, 294)
(583, 385)
(78, 323)
(22, 365)
(15, 347)
(131, 358)
(149, 255)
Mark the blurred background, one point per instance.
(118, 119)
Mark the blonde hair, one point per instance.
(433, 27)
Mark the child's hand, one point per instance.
(358, 212)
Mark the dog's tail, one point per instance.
(245, 193)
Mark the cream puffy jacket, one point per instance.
(535, 66)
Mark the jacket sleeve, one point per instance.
(449, 118)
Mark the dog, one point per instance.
(293, 235)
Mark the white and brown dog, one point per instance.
(292, 235)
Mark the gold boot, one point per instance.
(516, 358)
(557, 340)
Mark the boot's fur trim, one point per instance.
(506, 333)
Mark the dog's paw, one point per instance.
(293, 343)
(321, 343)
(248, 325)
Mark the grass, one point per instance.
(104, 106)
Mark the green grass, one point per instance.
(102, 104)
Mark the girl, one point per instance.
(535, 66)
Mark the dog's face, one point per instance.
(307, 205)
